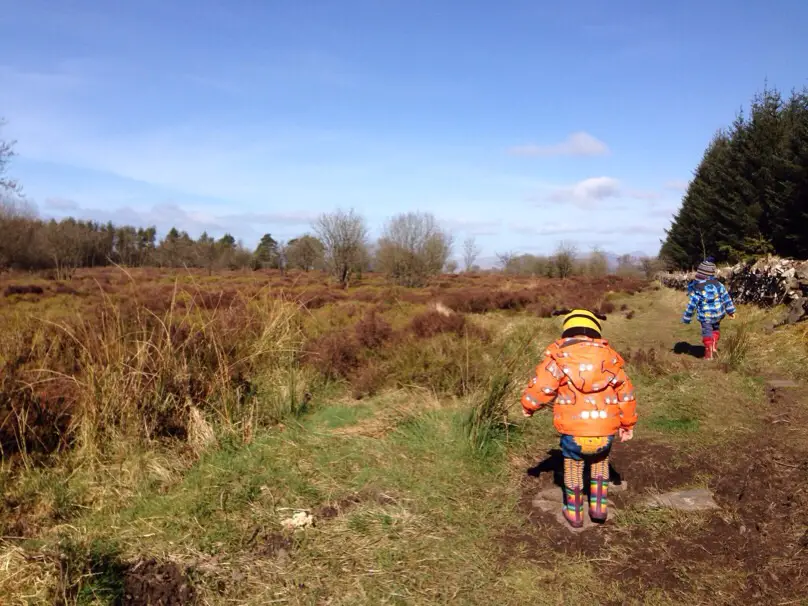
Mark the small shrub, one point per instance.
(542, 310)
(372, 331)
(23, 289)
(319, 299)
(64, 289)
(433, 322)
(368, 381)
(444, 364)
(607, 307)
(335, 354)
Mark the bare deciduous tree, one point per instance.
(413, 248)
(564, 259)
(344, 237)
(650, 266)
(7, 184)
(597, 264)
(626, 266)
(64, 246)
(505, 260)
(470, 253)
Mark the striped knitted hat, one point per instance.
(584, 319)
(706, 269)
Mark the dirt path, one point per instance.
(755, 547)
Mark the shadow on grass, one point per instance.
(554, 464)
(683, 347)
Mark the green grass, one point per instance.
(333, 417)
(407, 508)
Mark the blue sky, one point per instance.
(522, 123)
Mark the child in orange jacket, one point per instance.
(593, 401)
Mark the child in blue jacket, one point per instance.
(710, 300)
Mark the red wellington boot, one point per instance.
(709, 347)
(716, 337)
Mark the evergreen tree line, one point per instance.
(749, 194)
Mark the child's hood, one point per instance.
(589, 364)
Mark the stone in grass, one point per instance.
(781, 383)
(551, 500)
(696, 499)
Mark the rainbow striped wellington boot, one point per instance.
(574, 492)
(599, 491)
(574, 506)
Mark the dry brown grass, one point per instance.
(127, 395)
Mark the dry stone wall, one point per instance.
(767, 282)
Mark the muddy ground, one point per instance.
(760, 530)
(153, 583)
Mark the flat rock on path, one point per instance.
(550, 500)
(697, 499)
(781, 383)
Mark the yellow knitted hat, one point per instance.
(582, 318)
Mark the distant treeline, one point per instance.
(30, 243)
(410, 252)
(412, 247)
(749, 194)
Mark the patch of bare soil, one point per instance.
(153, 583)
(643, 465)
(760, 531)
(271, 544)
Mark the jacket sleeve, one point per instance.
(692, 306)
(626, 400)
(726, 300)
(542, 388)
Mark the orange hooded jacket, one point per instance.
(592, 395)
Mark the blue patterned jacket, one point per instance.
(710, 299)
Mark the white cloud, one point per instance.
(587, 192)
(590, 192)
(576, 144)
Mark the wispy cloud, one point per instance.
(587, 192)
(590, 192)
(576, 144)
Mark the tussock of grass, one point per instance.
(489, 417)
(737, 347)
